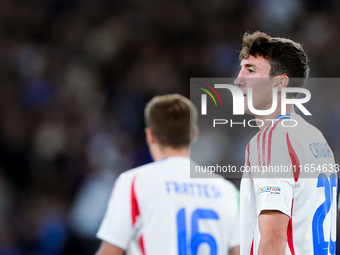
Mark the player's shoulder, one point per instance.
(291, 126)
(131, 173)
(254, 138)
(229, 189)
(296, 127)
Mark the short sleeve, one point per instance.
(274, 194)
(116, 227)
(275, 190)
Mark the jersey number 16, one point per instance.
(197, 238)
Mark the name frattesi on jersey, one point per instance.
(193, 189)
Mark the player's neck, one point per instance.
(160, 152)
(268, 119)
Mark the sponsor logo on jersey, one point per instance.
(270, 190)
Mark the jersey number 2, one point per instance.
(322, 247)
(197, 238)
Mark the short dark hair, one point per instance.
(284, 55)
(172, 119)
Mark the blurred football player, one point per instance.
(156, 208)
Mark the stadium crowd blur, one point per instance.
(75, 76)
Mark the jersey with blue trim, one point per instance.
(158, 209)
(291, 169)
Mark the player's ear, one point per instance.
(150, 138)
(282, 82)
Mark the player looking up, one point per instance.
(156, 208)
(293, 212)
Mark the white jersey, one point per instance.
(306, 192)
(157, 209)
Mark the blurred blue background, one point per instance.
(75, 76)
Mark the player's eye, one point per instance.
(250, 70)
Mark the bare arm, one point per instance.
(109, 249)
(235, 251)
(273, 228)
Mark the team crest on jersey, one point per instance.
(269, 190)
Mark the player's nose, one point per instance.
(240, 80)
